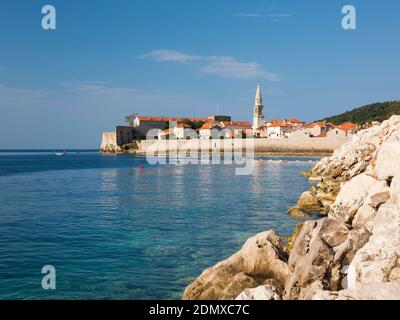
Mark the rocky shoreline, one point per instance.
(351, 252)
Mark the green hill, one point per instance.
(373, 112)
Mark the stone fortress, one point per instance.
(281, 136)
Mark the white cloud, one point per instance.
(170, 56)
(104, 93)
(230, 67)
(93, 87)
(223, 66)
(20, 95)
(250, 15)
(272, 16)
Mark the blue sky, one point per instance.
(106, 59)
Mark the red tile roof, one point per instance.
(294, 120)
(315, 124)
(236, 123)
(282, 123)
(178, 119)
(286, 125)
(347, 126)
(183, 125)
(320, 124)
(209, 125)
(278, 123)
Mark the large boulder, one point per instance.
(319, 256)
(378, 194)
(310, 203)
(262, 257)
(387, 162)
(351, 197)
(308, 200)
(375, 262)
(351, 159)
(312, 255)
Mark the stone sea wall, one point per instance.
(109, 143)
(293, 145)
(351, 252)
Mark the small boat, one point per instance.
(64, 153)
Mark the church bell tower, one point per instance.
(258, 114)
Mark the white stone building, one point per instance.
(210, 130)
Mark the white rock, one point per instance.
(378, 193)
(388, 160)
(365, 216)
(351, 197)
(374, 262)
(265, 292)
(395, 189)
(375, 291)
(262, 256)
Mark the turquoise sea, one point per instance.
(113, 231)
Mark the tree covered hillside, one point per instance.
(373, 112)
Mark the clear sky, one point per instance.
(62, 88)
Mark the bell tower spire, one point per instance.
(258, 114)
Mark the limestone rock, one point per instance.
(351, 159)
(395, 274)
(277, 286)
(375, 261)
(375, 291)
(296, 212)
(307, 203)
(292, 238)
(262, 257)
(307, 200)
(264, 292)
(354, 253)
(387, 160)
(378, 194)
(355, 240)
(379, 199)
(320, 257)
(395, 189)
(311, 259)
(351, 197)
(237, 283)
(365, 216)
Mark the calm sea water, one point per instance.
(113, 232)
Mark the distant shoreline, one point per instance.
(48, 150)
(310, 154)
